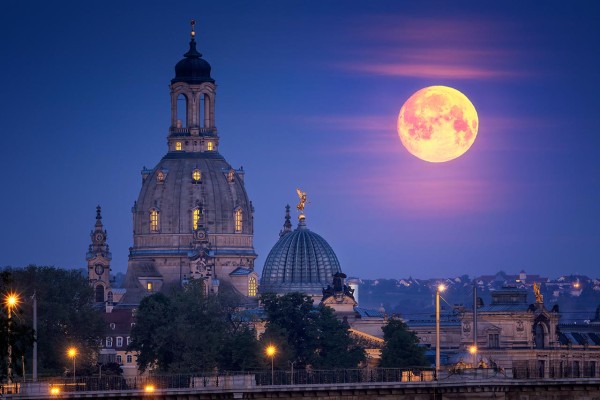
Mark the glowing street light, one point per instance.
(72, 352)
(11, 300)
(149, 388)
(440, 288)
(473, 351)
(271, 350)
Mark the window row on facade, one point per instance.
(118, 341)
(196, 219)
(196, 176)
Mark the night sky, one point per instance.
(308, 94)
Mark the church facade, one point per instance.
(193, 218)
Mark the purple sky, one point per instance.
(308, 96)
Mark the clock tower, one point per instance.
(98, 259)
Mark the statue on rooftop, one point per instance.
(539, 298)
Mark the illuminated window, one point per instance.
(252, 287)
(195, 218)
(154, 221)
(149, 286)
(238, 220)
(209, 146)
(230, 176)
(129, 358)
(160, 176)
(178, 146)
(196, 175)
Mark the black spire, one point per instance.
(287, 226)
(98, 215)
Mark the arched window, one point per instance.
(196, 176)
(181, 111)
(160, 176)
(109, 297)
(252, 287)
(202, 110)
(99, 294)
(154, 221)
(196, 215)
(238, 220)
(230, 176)
(209, 146)
(178, 146)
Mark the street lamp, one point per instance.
(271, 350)
(440, 288)
(72, 352)
(11, 300)
(473, 351)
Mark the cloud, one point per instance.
(435, 48)
(427, 70)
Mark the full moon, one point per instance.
(437, 124)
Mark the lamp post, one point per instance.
(11, 300)
(271, 350)
(440, 288)
(72, 352)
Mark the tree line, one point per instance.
(184, 331)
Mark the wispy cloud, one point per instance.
(434, 48)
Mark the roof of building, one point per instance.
(192, 69)
(368, 313)
(301, 261)
(240, 271)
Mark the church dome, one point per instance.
(193, 218)
(301, 261)
(193, 69)
(171, 188)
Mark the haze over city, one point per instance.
(308, 97)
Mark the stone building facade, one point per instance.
(193, 217)
(517, 336)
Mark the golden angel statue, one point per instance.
(302, 196)
(539, 298)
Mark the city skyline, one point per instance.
(307, 96)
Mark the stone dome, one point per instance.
(193, 69)
(301, 261)
(171, 189)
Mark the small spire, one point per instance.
(98, 217)
(192, 52)
(287, 226)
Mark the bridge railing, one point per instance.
(210, 380)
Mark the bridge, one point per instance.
(476, 384)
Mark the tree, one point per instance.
(189, 331)
(66, 316)
(401, 347)
(308, 335)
